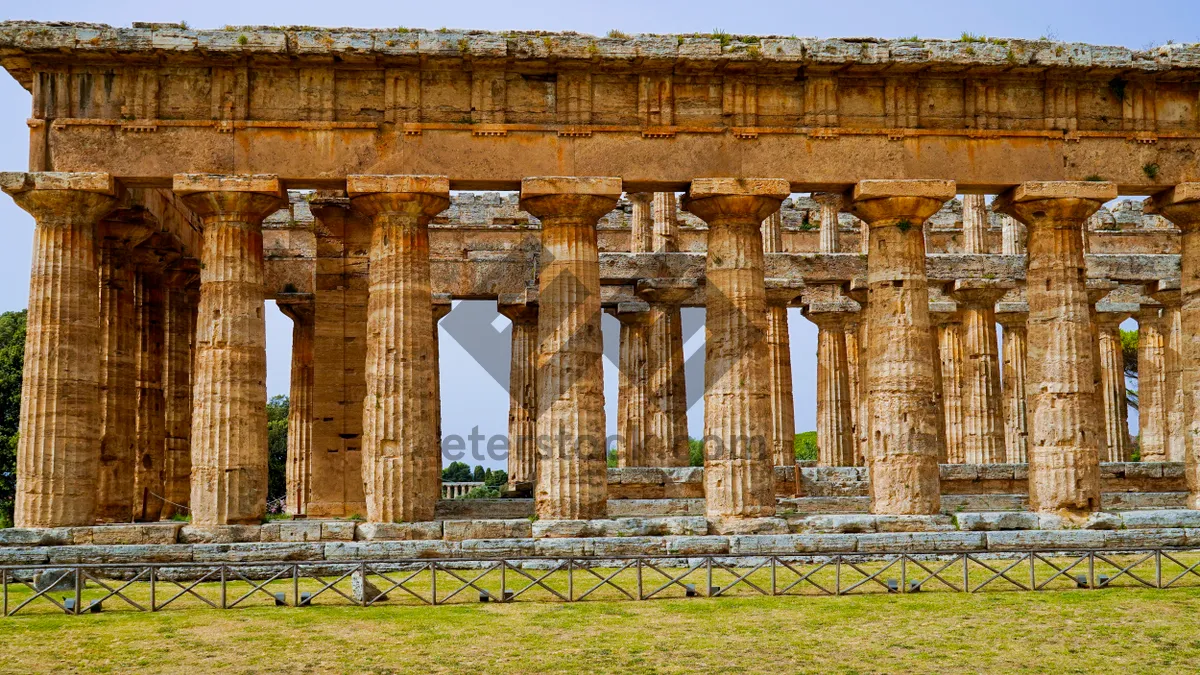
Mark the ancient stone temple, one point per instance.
(364, 179)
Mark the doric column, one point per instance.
(633, 399)
(118, 368)
(641, 222)
(982, 405)
(853, 384)
(940, 313)
(666, 423)
(1181, 205)
(148, 475)
(442, 305)
(179, 333)
(1012, 234)
(780, 294)
(229, 409)
(856, 355)
(666, 223)
(1112, 373)
(401, 452)
(1097, 290)
(835, 439)
(1169, 295)
(572, 479)
(522, 389)
(738, 468)
(1016, 422)
(831, 206)
(1064, 468)
(903, 456)
(58, 451)
(975, 224)
(300, 404)
(949, 328)
(1152, 384)
(864, 238)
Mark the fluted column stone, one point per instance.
(950, 351)
(1012, 236)
(179, 334)
(442, 305)
(975, 223)
(522, 390)
(1181, 205)
(664, 211)
(401, 450)
(831, 207)
(1169, 295)
(738, 468)
(1064, 468)
(633, 396)
(1112, 371)
(856, 354)
(149, 470)
(1152, 385)
(229, 408)
(572, 479)
(780, 294)
(1016, 420)
(835, 439)
(903, 455)
(118, 369)
(300, 405)
(641, 222)
(58, 451)
(982, 402)
(666, 423)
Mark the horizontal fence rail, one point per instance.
(152, 587)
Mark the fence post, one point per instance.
(223, 576)
(78, 590)
(153, 594)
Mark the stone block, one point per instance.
(390, 550)
(460, 530)
(37, 536)
(838, 523)
(997, 471)
(24, 556)
(626, 546)
(270, 531)
(498, 548)
(918, 542)
(219, 534)
(562, 548)
(363, 590)
(1146, 538)
(913, 523)
(959, 472)
(299, 530)
(707, 545)
(258, 552)
(640, 508)
(55, 580)
(1103, 521)
(784, 544)
(468, 509)
(991, 521)
(748, 526)
(423, 531)
(621, 527)
(119, 554)
(1182, 518)
(1125, 501)
(338, 530)
(136, 533)
(1024, 540)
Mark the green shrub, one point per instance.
(806, 446)
(482, 492)
(695, 452)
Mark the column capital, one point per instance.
(1098, 289)
(1167, 292)
(640, 197)
(1147, 313)
(668, 291)
(419, 197)
(1058, 204)
(588, 197)
(1009, 315)
(248, 198)
(1111, 319)
(828, 315)
(782, 292)
(297, 306)
(634, 313)
(830, 200)
(856, 289)
(893, 202)
(442, 305)
(57, 198)
(1180, 205)
(183, 272)
(735, 199)
(944, 314)
(517, 308)
(980, 293)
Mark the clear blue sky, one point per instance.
(470, 397)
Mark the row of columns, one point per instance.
(59, 451)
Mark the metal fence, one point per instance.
(152, 587)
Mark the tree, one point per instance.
(806, 445)
(12, 359)
(695, 452)
(495, 478)
(277, 429)
(457, 472)
(479, 475)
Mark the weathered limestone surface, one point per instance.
(1112, 372)
(835, 441)
(666, 423)
(1181, 205)
(1152, 414)
(401, 450)
(950, 342)
(633, 396)
(148, 475)
(118, 370)
(903, 455)
(522, 390)
(739, 476)
(1063, 447)
(779, 352)
(229, 427)
(178, 352)
(1016, 421)
(982, 406)
(300, 406)
(570, 417)
(58, 453)
(1169, 294)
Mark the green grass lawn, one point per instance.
(1125, 630)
